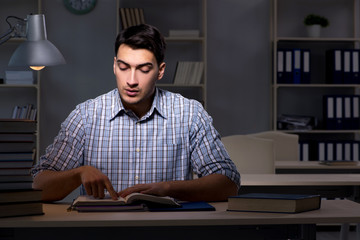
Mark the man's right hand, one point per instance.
(95, 182)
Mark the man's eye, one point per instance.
(122, 66)
(145, 69)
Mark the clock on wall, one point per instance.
(80, 6)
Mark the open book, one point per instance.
(134, 201)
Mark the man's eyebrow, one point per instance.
(137, 66)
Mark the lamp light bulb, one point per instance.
(37, 68)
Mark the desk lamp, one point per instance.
(36, 52)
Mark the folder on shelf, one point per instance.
(347, 72)
(347, 111)
(355, 54)
(334, 66)
(288, 66)
(296, 66)
(321, 151)
(305, 73)
(339, 112)
(329, 110)
(355, 116)
(355, 150)
(304, 151)
(281, 66)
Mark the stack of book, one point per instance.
(131, 17)
(19, 77)
(188, 73)
(17, 148)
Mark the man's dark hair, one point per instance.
(143, 36)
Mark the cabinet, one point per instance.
(12, 95)
(307, 98)
(177, 15)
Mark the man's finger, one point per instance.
(111, 190)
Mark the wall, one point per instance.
(238, 63)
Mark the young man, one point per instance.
(138, 138)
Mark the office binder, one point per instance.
(334, 66)
(321, 151)
(355, 54)
(348, 151)
(355, 116)
(339, 112)
(347, 119)
(288, 74)
(281, 66)
(339, 151)
(296, 66)
(305, 69)
(347, 71)
(329, 112)
(304, 151)
(355, 151)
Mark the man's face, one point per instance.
(136, 72)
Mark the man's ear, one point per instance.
(161, 70)
(114, 65)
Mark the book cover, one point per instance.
(17, 126)
(276, 203)
(21, 209)
(16, 156)
(22, 195)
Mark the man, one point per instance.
(138, 138)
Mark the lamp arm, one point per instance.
(8, 34)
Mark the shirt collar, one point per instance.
(156, 107)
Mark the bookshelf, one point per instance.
(21, 95)
(306, 98)
(168, 16)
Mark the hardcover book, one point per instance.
(276, 203)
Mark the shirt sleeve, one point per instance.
(208, 154)
(66, 152)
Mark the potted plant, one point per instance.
(314, 24)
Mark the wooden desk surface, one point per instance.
(300, 179)
(332, 211)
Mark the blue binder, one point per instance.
(296, 66)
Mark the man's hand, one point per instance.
(158, 189)
(214, 187)
(95, 182)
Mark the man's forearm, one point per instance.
(57, 185)
(214, 187)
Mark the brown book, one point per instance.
(277, 203)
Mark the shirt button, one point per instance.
(137, 177)
(138, 149)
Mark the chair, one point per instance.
(250, 154)
(286, 145)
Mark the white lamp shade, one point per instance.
(36, 50)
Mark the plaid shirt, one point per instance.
(173, 140)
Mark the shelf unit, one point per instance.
(157, 13)
(288, 32)
(15, 94)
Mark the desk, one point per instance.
(313, 167)
(60, 224)
(327, 185)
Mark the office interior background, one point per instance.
(239, 68)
